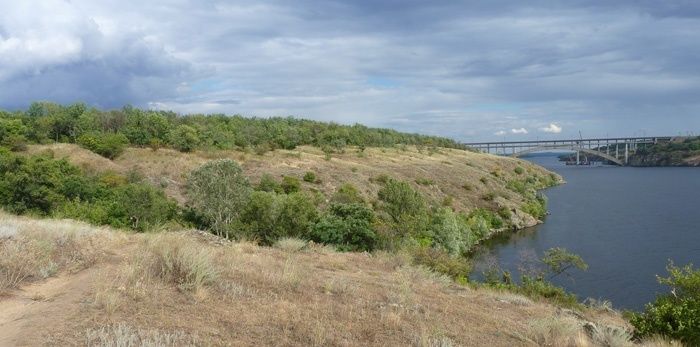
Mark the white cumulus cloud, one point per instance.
(552, 128)
(519, 131)
(500, 133)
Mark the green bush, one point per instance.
(218, 191)
(539, 288)
(139, 207)
(399, 199)
(39, 184)
(310, 177)
(440, 261)
(269, 184)
(519, 170)
(108, 145)
(450, 232)
(290, 184)
(348, 226)
(268, 216)
(505, 213)
(347, 194)
(536, 207)
(184, 138)
(677, 314)
(297, 214)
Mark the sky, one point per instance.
(470, 70)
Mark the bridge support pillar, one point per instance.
(627, 151)
(578, 158)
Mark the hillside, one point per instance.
(678, 152)
(467, 179)
(103, 287)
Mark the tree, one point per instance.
(184, 138)
(675, 314)
(218, 191)
(400, 199)
(559, 260)
(349, 226)
(139, 206)
(108, 145)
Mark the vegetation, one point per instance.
(678, 152)
(107, 132)
(676, 314)
(535, 277)
(217, 193)
(45, 186)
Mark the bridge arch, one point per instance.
(570, 147)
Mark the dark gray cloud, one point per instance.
(467, 69)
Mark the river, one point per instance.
(626, 223)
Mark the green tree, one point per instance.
(290, 184)
(558, 261)
(218, 191)
(677, 313)
(184, 138)
(108, 145)
(139, 207)
(348, 226)
(399, 199)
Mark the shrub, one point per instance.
(179, 261)
(259, 215)
(539, 288)
(290, 184)
(269, 184)
(450, 232)
(138, 206)
(440, 261)
(310, 177)
(108, 145)
(536, 207)
(504, 212)
(39, 184)
(184, 138)
(347, 194)
(218, 191)
(297, 214)
(519, 170)
(399, 199)
(348, 226)
(675, 315)
(270, 216)
(424, 181)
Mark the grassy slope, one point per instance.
(250, 295)
(449, 169)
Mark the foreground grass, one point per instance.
(192, 289)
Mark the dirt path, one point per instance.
(31, 310)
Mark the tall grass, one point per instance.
(174, 259)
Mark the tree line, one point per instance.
(108, 132)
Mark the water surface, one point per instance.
(625, 222)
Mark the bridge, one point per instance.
(615, 150)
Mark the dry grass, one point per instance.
(122, 335)
(38, 249)
(175, 259)
(291, 244)
(181, 289)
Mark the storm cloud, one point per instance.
(472, 70)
